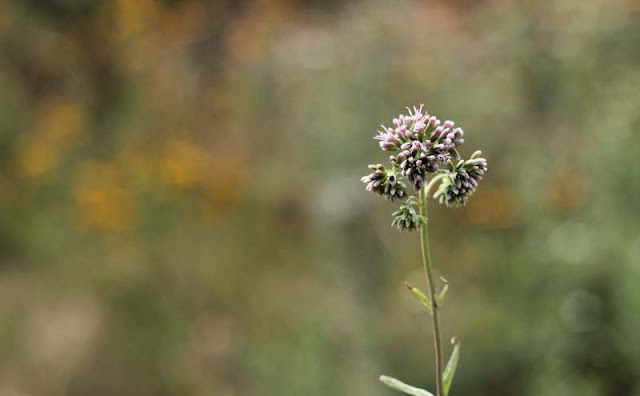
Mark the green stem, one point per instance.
(432, 182)
(426, 259)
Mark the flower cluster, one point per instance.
(384, 182)
(406, 218)
(421, 145)
(406, 128)
(461, 181)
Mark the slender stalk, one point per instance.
(426, 259)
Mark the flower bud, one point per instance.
(462, 181)
(406, 218)
(384, 182)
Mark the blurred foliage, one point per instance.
(181, 210)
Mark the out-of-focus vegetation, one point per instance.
(181, 211)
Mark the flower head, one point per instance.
(445, 138)
(406, 217)
(461, 181)
(415, 161)
(405, 128)
(384, 182)
(422, 145)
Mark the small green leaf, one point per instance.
(443, 292)
(450, 370)
(411, 200)
(420, 296)
(402, 387)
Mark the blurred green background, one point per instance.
(181, 211)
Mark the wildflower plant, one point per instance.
(425, 154)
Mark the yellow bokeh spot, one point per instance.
(56, 124)
(101, 202)
(129, 17)
(35, 156)
(181, 163)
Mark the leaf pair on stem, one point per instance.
(447, 379)
(452, 364)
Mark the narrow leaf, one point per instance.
(450, 370)
(443, 292)
(402, 387)
(420, 296)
